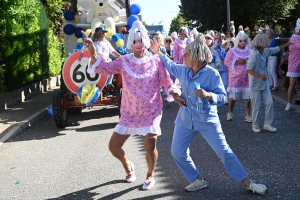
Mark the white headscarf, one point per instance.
(174, 34)
(241, 36)
(194, 32)
(297, 28)
(137, 32)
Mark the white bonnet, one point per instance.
(297, 28)
(138, 31)
(241, 36)
(174, 34)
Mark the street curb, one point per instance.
(284, 102)
(16, 129)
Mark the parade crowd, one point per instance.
(213, 69)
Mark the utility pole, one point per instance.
(228, 15)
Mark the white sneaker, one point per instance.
(130, 177)
(257, 188)
(229, 116)
(248, 118)
(256, 130)
(270, 128)
(148, 184)
(196, 185)
(288, 107)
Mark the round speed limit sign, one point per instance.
(75, 73)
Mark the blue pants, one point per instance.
(213, 134)
(224, 77)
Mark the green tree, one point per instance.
(212, 14)
(177, 23)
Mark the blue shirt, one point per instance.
(274, 43)
(210, 80)
(222, 54)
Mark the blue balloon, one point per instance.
(132, 19)
(116, 37)
(69, 15)
(127, 29)
(69, 29)
(135, 9)
(78, 33)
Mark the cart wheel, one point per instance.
(119, 102)
(60, 112)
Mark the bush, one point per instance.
(29, 49)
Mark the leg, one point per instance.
(273, 64)
(268, 102)
(180, 151)
(224, 77)
(231, 103)
(255, 104)
(115, 146)
(246, 107)
(213, 134)
(151, 154)
(291, 89)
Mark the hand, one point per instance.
(179, 100)
(262, 77)
(202, 93)
(218, 66)
(240, 62)
(88, 43)
(154, 46)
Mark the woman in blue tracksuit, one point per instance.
(202, 92)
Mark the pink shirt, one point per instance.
(179, 46)
(294, 57)
(141, 99)
(238, 75)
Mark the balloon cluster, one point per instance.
(116, 37)
(134, 9)
(88, 94)
(80, 40)
(70, 29)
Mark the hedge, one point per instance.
(30, 51)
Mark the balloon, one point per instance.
(69, 15)
(116, 37)
(132, 19)
(69, 29)
(135, 9)
(109, 33)
(127, 29)
(79, 40)
(120, 43)
(78, 33)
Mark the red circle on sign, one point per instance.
(67, 72)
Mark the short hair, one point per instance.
(231, 34)
(160, 38)
(168, 37)
(198, 49)
(271, 30)
(260, 40)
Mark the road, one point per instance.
(45, 162)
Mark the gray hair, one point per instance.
(198, 49)
(260, 40)
(271, 30)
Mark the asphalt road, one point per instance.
(45, 162)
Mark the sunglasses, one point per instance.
(168, 40)
(208, 38)
(242, 40)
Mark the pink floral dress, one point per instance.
(294, 57)
(238, 75)
(141, 107)
(179, 46)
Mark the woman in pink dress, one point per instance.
(179, 45)
(294, 63)
(141, 108)
(238, 84)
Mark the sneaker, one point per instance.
(256, 130)
(229, 116)
(196, 185)
(270, 128)
(130, 177)
(148, 184)
(248, 118)
(274, 88)
(288, 107)
(257, 188)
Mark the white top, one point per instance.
(232, 28)
(104, 48)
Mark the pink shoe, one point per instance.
(148, 184)
(130, 177)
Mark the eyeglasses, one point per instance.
(168, 41)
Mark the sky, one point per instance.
(154, 11)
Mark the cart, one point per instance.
(73, 75)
